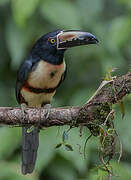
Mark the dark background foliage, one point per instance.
(21, 23)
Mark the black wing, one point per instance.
(22, 77)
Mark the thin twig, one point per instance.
(120, 143)
(99, 88)
(111, 112)
(76, 116)
(86, 144)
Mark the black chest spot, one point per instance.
(52, 74)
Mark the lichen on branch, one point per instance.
(95, 110)
(97, 115)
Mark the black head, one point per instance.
(51, 46)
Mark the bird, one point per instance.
(39, 76)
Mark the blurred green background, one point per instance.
(24, 21)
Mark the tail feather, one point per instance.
(30, 143)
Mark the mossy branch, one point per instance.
(96, 109)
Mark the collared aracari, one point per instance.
(38, 78)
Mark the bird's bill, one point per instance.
(68, 39)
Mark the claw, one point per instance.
(47, 108)
(23, 110)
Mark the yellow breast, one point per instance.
(36, 100)
(46, 75)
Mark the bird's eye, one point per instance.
(52, 41)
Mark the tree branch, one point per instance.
(96, 109)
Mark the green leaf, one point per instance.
(68, 147)
(59, 145)
(77, 157)
(22, 10)
(61, 13)
(30, 129)
(122, 109)
(120, 171)
(108, 76)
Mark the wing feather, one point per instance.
(22, 77)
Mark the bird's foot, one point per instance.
(23, 111)
(47, 108)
